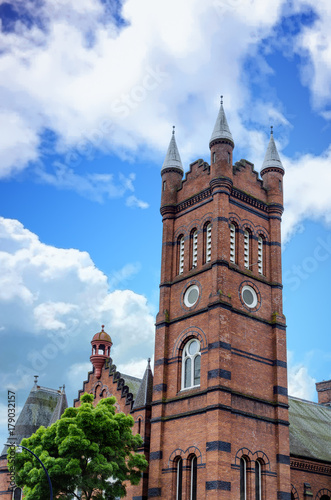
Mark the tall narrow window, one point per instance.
(258, 480)
(191, 364)
(229, 158)
(246, 249)
(243, 481)
(260, 254)
(208, 243)
(232, 243)
(214, 157)
(179, 479)
(181, 255)
(193, 479)
(194, 242)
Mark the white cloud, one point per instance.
(303, 175)
(122, 275)
(133, 202)
(135, 367)
(300, 383)
(58, 294)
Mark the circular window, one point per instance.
(191, 296)
(249, 296)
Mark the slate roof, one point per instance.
(172, 159)
(271, 158)
(145, 392)
(43, 407)
(133, 384)
(221, 128)
(310, 429)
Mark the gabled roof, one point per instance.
(221, 128)
(145, 392)
(172, 159)
(310, 429)
(42, 407)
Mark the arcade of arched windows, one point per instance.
(248, 246)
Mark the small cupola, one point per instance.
(101, 345)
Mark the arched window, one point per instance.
(243, 479)
(139, 425)
(191, 364)
(180, 254)
(325, 497)
(246, 248)
(101, 349)
(207, 242)
(233, 246)
(17, 494)
(260, 256)
(194, 248)
(179, 478)
(214, 157)
(258, 480)
(193, 478)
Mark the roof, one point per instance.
(102, 336)
(145, 392)
(221, 128)
(310, 429)
(172, 159)
(133, 384)
(271, 159)
(42, 407)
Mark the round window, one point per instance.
(249, 296)
(191, 295)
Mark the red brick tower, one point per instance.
(219, 427)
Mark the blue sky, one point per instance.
(89, 92)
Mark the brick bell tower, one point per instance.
(219, 427)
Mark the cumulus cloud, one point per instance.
(57, 295)
(300, 383)
(303, 175)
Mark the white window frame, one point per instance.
(194, 248)
(181, 255)
(193, 460)
(232, 243)
(260, 254)
(179, 479)
(246, 248)
(259, 465)
(186, 355)
(208, 242)
(244, 461)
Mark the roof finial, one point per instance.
(221, 99)
(36, 379)
(102, 327)
(271, 129)
(173, 129)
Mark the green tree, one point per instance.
(89, 449)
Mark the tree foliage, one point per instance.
(89, 449)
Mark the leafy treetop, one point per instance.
(89, 453)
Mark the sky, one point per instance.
(89, 92)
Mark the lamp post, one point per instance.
(47, 475)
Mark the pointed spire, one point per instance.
(271, 159)
(172, 159)
(145, 391)
(221, 129)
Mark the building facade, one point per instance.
(215, 418)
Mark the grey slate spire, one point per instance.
(172, 159)
(221, 129)
(271, 159)
(145, 391)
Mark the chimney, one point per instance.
(324, 392)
